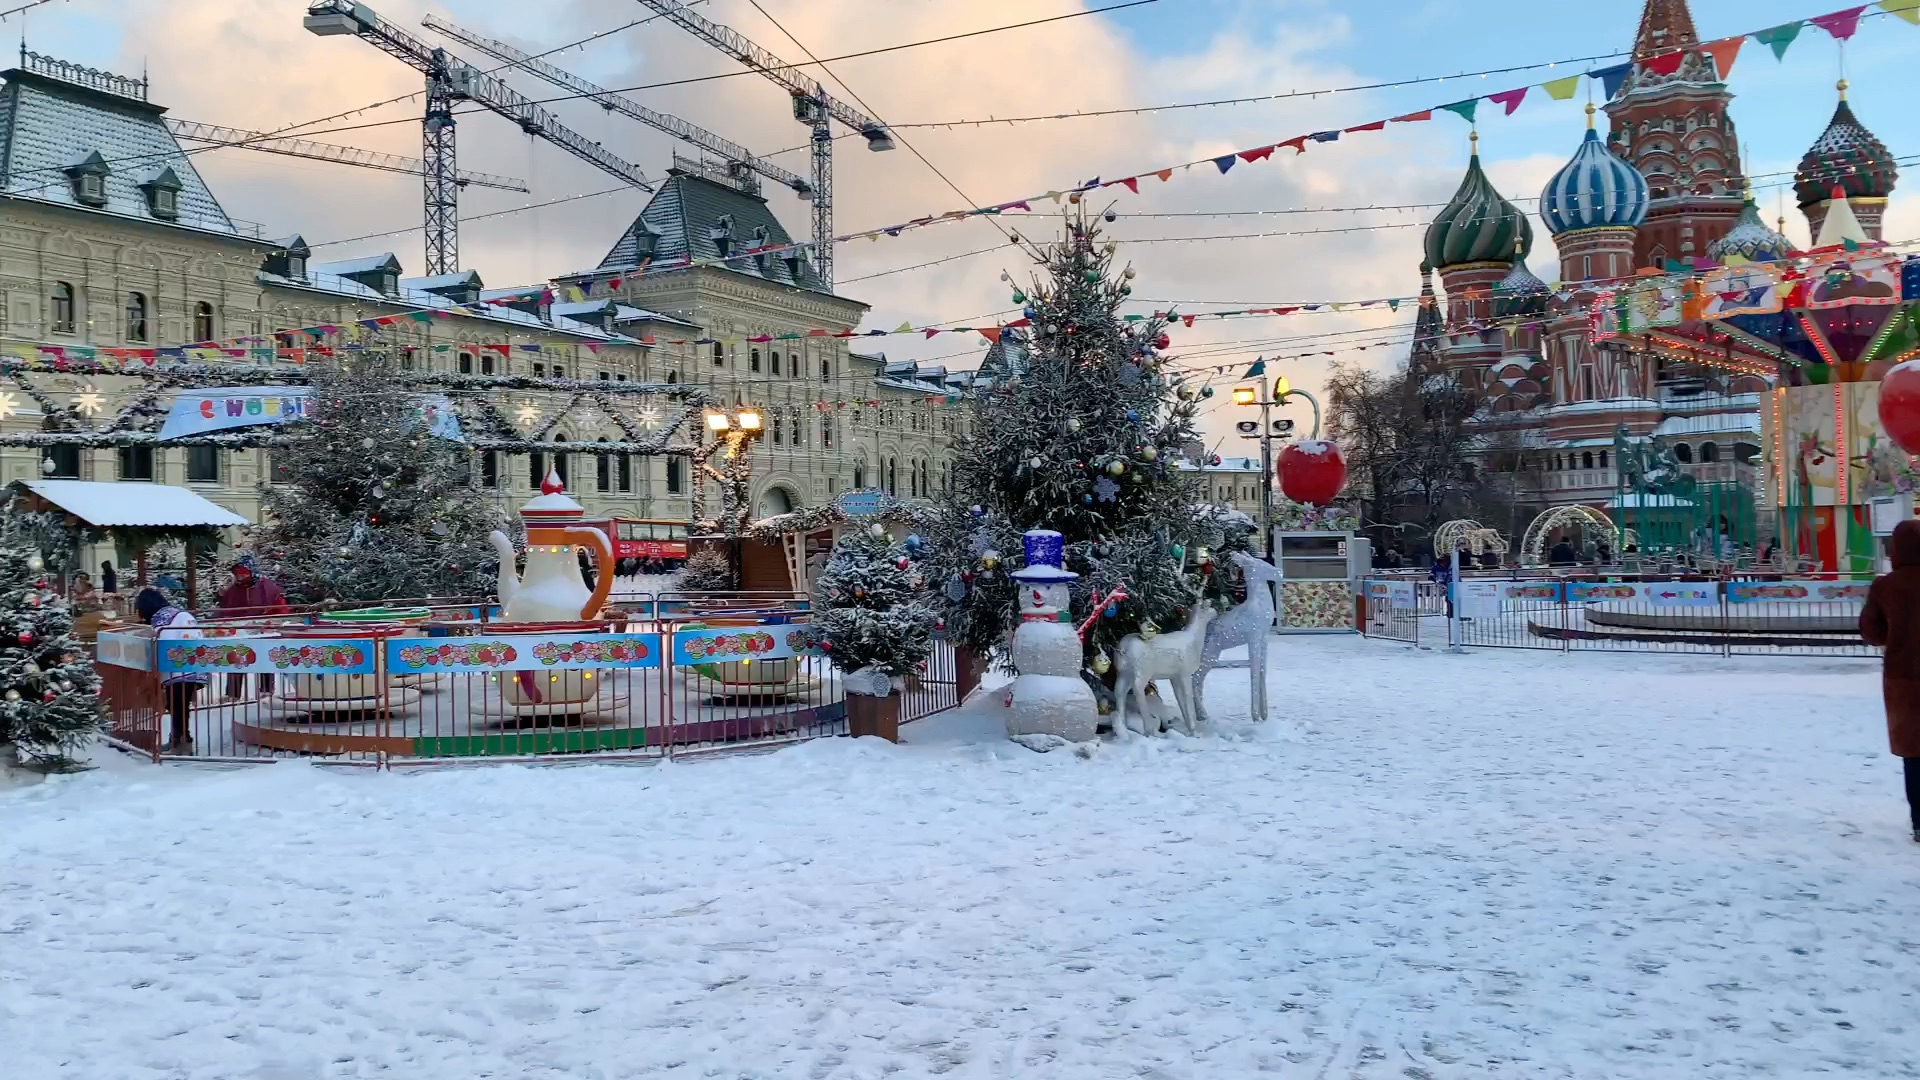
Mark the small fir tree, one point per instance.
(49, 693)
(871, 608)
(374, 504)
(707, 570)
(1080, 432)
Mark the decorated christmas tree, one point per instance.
(871, 608)
(706, 570)
(375, 501)
(1081, 435)
(49, 693)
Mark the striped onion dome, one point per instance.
(1478, 225)
(1595, 190)
(1846, 155)
(1750, 237)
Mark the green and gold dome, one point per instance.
(1479, 225)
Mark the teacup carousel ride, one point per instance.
(550, 596)
(323, 699)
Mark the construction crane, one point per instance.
(451, 80)
(242, 139)
(811, 106)
(740, 160)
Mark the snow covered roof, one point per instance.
(318, 281)
(383, 263)
(1740, 423)
(434, 282)
(105, 504)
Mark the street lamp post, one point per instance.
(1267, 397)
(731, 433)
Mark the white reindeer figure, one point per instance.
(1247, 624)
(1172, 656)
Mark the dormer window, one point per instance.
(296, 266)
(89, 179)
(390, 284)
(163, 194)
(721, 233)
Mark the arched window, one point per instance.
(1709, 451)
(779, 425)
(1683, 453)
(925, 489)
(676, 476)
(465, 363)
(1586, 460)
(826, 369)
(602, 472)
(719, 355)
(486, 363)
(773, 362)
(62, 308)
(490, 469)
(793, 366)
(536, 469)
(893, 476)
(672, 377)
(1603, 459)
(859, 475)
(625, 472)
(136, 316)
(753, 360)
(826, 431)
(203, 321)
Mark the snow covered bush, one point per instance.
(707, 570)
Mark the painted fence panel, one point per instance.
(731, 643)
(522, 652)
(266, 656)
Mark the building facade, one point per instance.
(110, 239)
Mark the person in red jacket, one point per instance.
(1891, 619)
(249, 596)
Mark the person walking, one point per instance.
(109, 581)
(249, 596)
(180, 688)
(1891, 620)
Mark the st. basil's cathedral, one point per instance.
(1662, 191)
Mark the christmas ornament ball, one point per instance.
(1101, 663)
(1110, 217)
(876, 531)
(1073, 423)
(1162, 341)
(1086, 500)
(1179, 551)
(991, 559)
(1900, 406)
(1116, 468)
(26, 637)
(1149, 453)
(1206, 391)
(900, 563)
(13, 695)
(1035, 461)
(35, 563)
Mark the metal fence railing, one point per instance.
(1750, 614)
(658, 676)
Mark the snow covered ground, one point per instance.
(1513, 864)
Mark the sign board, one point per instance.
(1401, 595)
(266, 656)
(1890, 510)
(223, 408)
(1479, 599)
(1599, 592)
(1681, 593)
(1795, 592)
(522, 652)
(119, 648)
(865, 502)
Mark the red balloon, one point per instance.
(1900, 406)
(1311, 471)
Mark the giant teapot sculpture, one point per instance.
(551, 589)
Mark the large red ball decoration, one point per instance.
(1311, 471)
(1900, 406)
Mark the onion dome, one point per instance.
(1846, 155)
(1478, 225)
(1595, 190)
(1750, 238)
(1521, 294)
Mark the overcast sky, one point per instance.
(248, 63)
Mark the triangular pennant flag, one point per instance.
(990, 333)
(1021, 205)
(1611, 78)
(904, 328)
(930, 331)
(1325, 136)
(1377, 125)
(1299, 144)
(1779, 37)
(1414, 117)
(1164, 175)
(1665, 63)
(1259, 368)
(1188, 319)
(1261, 154)
(1395, 304)
(1464, 109)
(1133, 182)
(1841, 24)
(1905, 9)
(1224, 162)
(1561, 89)
(1510, 99)
(1724, 51)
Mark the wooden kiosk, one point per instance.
(787, 551)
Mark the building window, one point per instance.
(893, 476)
(606, 376)
(559, 372)
(1683, 454)
(203, 321)
(136, 317)
(753, 360)
(66, 462)
(602, 472)
(719, 355)
(826, 369)
(925, 489)
(536, 469)
(91, 189)
(136, 463)
(779, 425)
(486, 364)
(490, 469)
(539, 371)
(465, 364)
(676, 481)
(626, 472)
(62, 308)
(203, 464)
(1586, 460)
(1709, 451)
(793, 365)
(560, 464)
(859, 475)
(164, 202)
(672, 377)
(1603, 459)
(773, 362)
(406, 359)
(826, 431)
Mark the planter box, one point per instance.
(868, 715)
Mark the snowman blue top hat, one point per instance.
(1045, 553)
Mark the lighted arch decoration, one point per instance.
(1479, 539)
(1534, 544)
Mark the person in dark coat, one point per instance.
(109, 581)
(1891, 620)
(1563, 554)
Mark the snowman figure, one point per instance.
(1049, 700)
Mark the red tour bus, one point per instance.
(644, 538)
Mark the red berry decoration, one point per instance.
(1900, 406)
(900, 563)
(1311, 471)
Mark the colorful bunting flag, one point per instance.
(1665, 63)
(1725, 50)
(1133, 182)
(1224, 162)
(1841, 24)
(1562, 89)
(1779, 37)
(1261, 154)
(1325, 136)
(1464, 109)
(1509, 99)
(1905, 9)
(1299, 144)
(1611, 78)
(1427, 114)
(1380, 125)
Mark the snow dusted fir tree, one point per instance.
(49, 693)
(1084, 440)
(870, 606)
(706, 570)
(374, 505)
